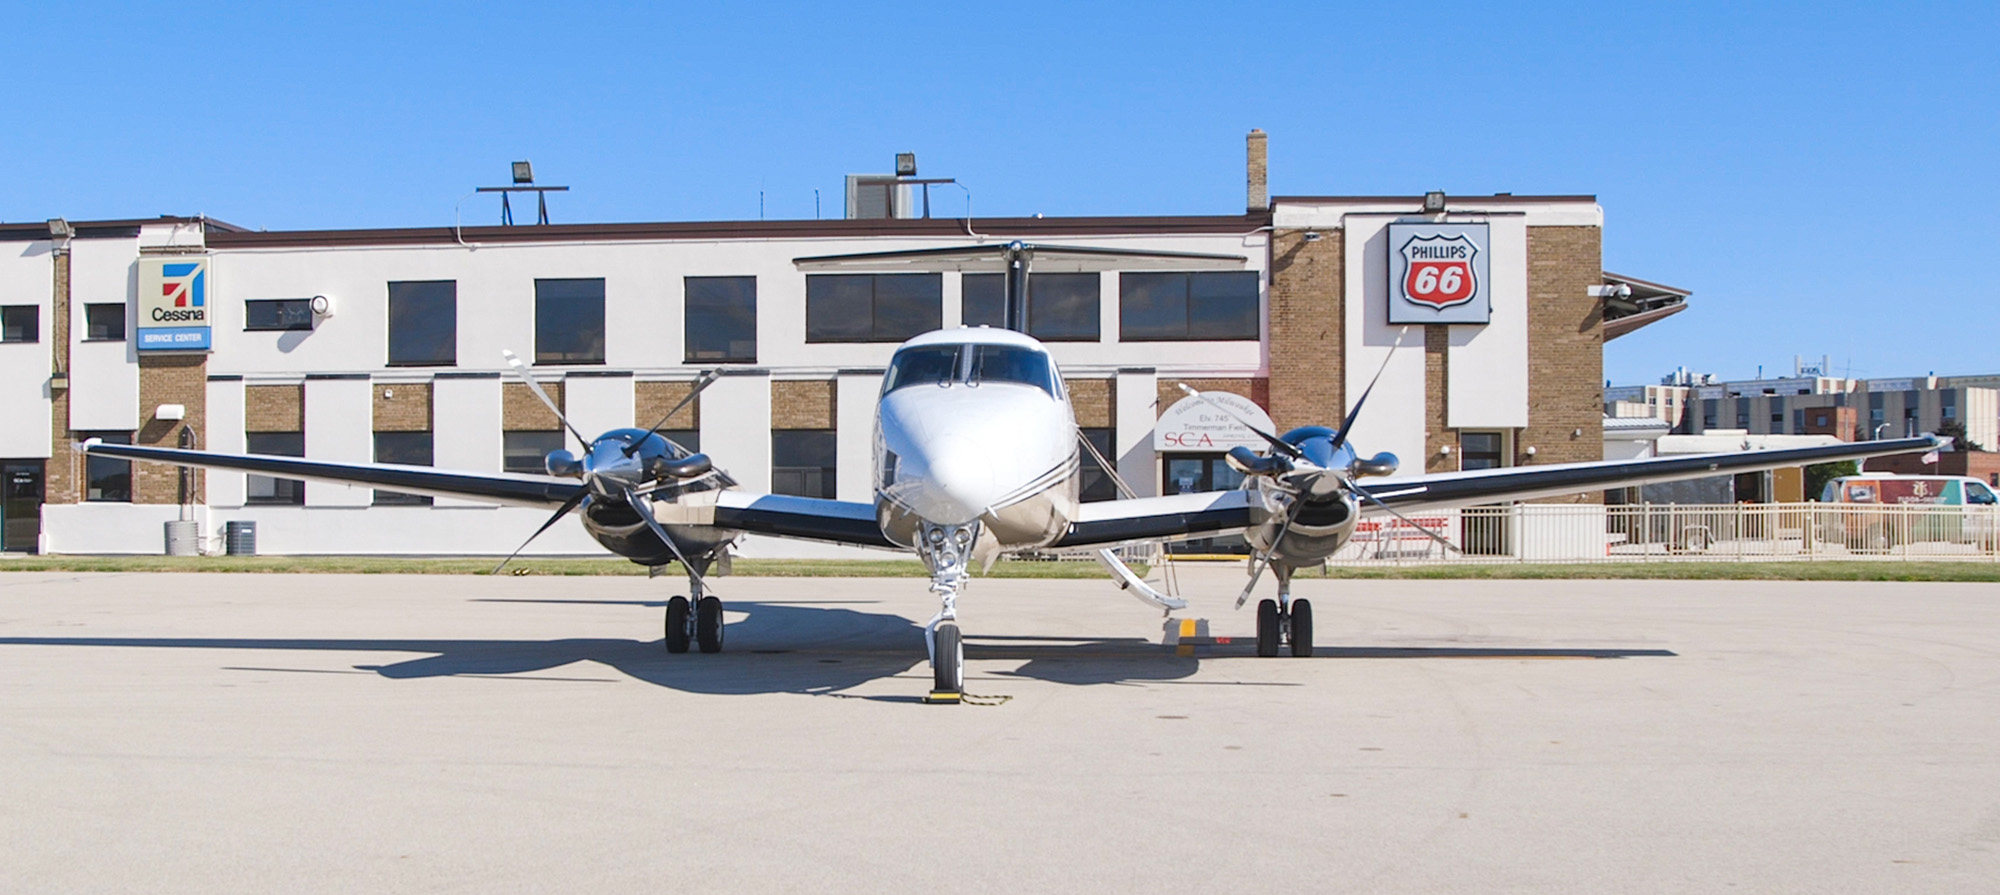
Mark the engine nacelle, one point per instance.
(691, 466)
(562, 463)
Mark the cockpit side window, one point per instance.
(1010, 363)
(922, 365)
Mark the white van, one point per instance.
(1966, 510)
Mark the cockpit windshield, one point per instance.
(971, 365)
(922, 365)
(1012, 363)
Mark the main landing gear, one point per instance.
(697, 619)
(1284, 620)
(946, 549)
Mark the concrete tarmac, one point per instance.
(326, 733)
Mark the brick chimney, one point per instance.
(1257, 158)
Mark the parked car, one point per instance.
(1880, 510)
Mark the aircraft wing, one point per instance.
(1176, 516)
(1446, 490)
(515, 489)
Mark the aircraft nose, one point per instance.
(963, 482)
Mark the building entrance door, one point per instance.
(1483, 529)
(1189, 473)
(21, 506)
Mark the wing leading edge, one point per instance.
(1447, 490)
(499, 487)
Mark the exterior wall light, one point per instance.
(170, 413)
(1434, 202)
(1530, 451)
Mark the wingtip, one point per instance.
(84, 446)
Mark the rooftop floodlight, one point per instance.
(1434, 202)
(524, 172)
(906, 164)
(60, 228)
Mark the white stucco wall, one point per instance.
(104, 376)
(27, 277)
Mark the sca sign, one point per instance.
(174, 303)
(1438, 273)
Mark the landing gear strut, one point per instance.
(946, 549)
(696, 619)
(1284, 620)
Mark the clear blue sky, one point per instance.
(1823, 178)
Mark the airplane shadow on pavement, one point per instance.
(818, 649)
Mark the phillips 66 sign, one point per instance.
(1438, 273)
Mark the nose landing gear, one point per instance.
(694, 620)
(1284, 621)
(946, 549)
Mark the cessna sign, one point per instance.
(1438, 273)
(173, 303)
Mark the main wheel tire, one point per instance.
(677, 625)
(1302, 628)
(708, 624)
(1267, 628)
(948, 668)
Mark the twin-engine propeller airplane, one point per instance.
(975, 457)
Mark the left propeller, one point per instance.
(617, 466)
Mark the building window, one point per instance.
(1095, 481)
(104, 322)
(721, 320)
(1948, 404)
(1481, 450)
(107, 478)
(1798, 422)
(277, 314)
(802, 462)
(688, 439)
(569, 321)
(1172, 307)
(1708, 413)
(21, 323)
(1743, 414)
(1819, 419)
(263, 489)
(423, 323)
(1062, 307)
(528, 451)
(873, 307)
(409, 449)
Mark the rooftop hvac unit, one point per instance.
(879, 196)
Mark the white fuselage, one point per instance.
(974, 426)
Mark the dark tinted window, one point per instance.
(983, 300)
(107, 478)
(1096, 482)
(1062, 307)
(104, 322)
(802, 462)
(409, 448)
(1210, 305)
(569, 321)
(20, 323)
(1480, 450)
(278, 313)
(263, 489)
(873, 307)
(423, 323)
(527, 451)
(721, 320)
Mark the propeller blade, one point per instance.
(645, 511)
(1282, 446)
(536, 387)
(704, 381)
(1257, 569)
(1364, 495)
(1346, 425)
(568, 505)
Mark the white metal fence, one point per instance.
(1680, 532)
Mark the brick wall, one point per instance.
(169, 379)
(651, 400)
(1095, 402)
(403, 407)
(1565, 350)
(521, 411)
(1437, 379)
(274, 408)
(803, 404)
(1306, 329)
(63, 478)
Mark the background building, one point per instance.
(386, 345)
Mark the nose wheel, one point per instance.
(948, 660)
(1279, 626)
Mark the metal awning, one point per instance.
(1630, 303)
